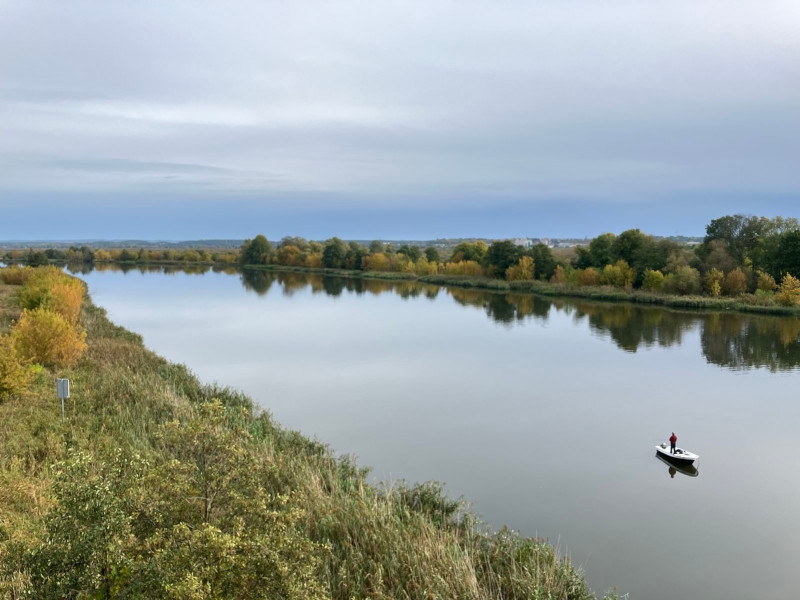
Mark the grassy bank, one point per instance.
(157, 486)
(752, 304)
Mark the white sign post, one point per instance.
(62, 387)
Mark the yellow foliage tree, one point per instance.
(314, 260)
(559, 276)
(521, 271)
(789, 292)
(620, 274)
(14, 374)
(588, 276)
(376, 262)
(464, 267)
(45, 337)
(713, 281)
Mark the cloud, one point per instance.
(401, 104)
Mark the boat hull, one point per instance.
(680, 456)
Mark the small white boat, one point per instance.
(680, 455)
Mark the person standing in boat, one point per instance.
(673, 439)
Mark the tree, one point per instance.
(588, 276)
(789, 292)
(37, 259)
(766, 282)
(652, 280)
(739, 231)
(334, 254)
(787, 258)
(735, 283)
(256, 251)
(544, 263)
(558, 275)
(375, 246)
(469, 251)
(713, 281)
(521, 271)
(598, 254)
(627, 245)
(502, 255)
(685, 280)
(718, 257)
(432, 254)
(620, 274)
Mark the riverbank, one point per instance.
(159, 486)
(542, 288)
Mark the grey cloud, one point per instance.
(389, 101)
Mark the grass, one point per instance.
(409, 542)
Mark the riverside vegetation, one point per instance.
(157, 486)
(745, 263)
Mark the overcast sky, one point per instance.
(408, 119)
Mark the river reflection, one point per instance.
(730, 340)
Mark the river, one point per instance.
(542, 413)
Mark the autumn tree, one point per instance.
(588, 276)
(713, 281)
(766, 282)
(735, 283)
(558, 275)
(789, 291)
(432, 254)
(652, 280)
(522, 270)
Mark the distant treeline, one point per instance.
(739, 256)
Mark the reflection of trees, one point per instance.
(731, 340)
(257, 281)
(503, 308)
(632, 326)
(741, 342)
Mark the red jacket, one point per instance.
(673, 439)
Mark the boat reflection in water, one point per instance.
(677, 467)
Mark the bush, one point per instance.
(15, 275)
(47, 338)
(14, 375)
(50, 288)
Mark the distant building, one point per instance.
(524, 242)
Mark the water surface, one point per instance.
(543, 414)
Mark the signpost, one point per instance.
(62, 387)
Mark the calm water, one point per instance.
(543, 414)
